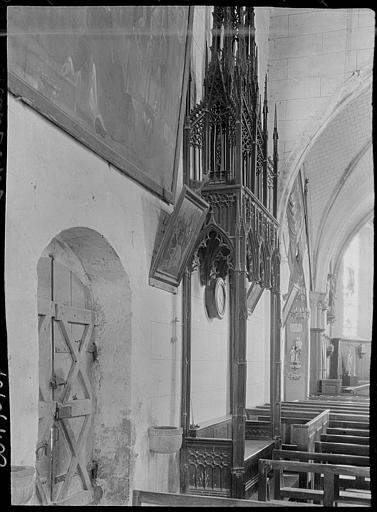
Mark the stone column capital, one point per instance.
(318, 306)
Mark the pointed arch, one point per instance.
(213, 253)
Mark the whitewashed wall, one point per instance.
(258, 353)
(209, 359)
(53, 184)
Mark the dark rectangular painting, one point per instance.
(113, 77)
(178, 241)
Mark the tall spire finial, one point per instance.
(265, 106)
(276, 124)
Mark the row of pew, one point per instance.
(333, 470)
(322, 459)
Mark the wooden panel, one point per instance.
(333, 438)
(318, 468)
(348, 431)
(351, 449)
(46, 403)
(221, 428)
(349, 424)
(65, 367)
(251, 477)
(331, 474)
(207, 466)
(332, 458)
(74, 314)
(305, 435)
(165, 499)
(258, 430)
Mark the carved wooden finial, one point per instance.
(265, 105)
(276, 136)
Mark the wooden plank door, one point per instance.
(66, 400)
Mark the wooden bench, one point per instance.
(348, 432)
(301, 412)
(333, 438)
(301, 428)
(347, 402)
(346, 406)
(332, 458)
(341, 398)
(346, 448)
(330, 494)
(362, 389)
(165, 499)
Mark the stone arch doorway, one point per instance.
(87, 375)
(66, 321)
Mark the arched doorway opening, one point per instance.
(84, 307)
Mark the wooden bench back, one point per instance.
(165, 499)
(330, 472)
(348, 432)
(333, 438)
(309, 414)
(347, 448)
(332, 458)
(306, 434)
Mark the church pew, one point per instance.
(359, 425)
(165, 499)
(338, 409)
(348, 420)
(326, 405)
(348, 432)
(330, 494)
(346, 448)
(310, 412)
(341, 398)
(326, 402)
(333, 438)
(332, 458)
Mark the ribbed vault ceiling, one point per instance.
(341, 186)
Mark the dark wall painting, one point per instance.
(114, 77)
(178, 240)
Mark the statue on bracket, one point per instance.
(295, 354)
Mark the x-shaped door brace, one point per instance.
(63, 315)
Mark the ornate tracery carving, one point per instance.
(213, 254)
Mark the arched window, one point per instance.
(351, 288)
(356, 279)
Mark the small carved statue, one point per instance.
(295, 353)
(348, 363)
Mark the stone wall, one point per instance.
(55, 186)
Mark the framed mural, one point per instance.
(113, 77)
(178, 241)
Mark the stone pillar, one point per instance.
(318, 340)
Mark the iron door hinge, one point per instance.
(63, 411)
